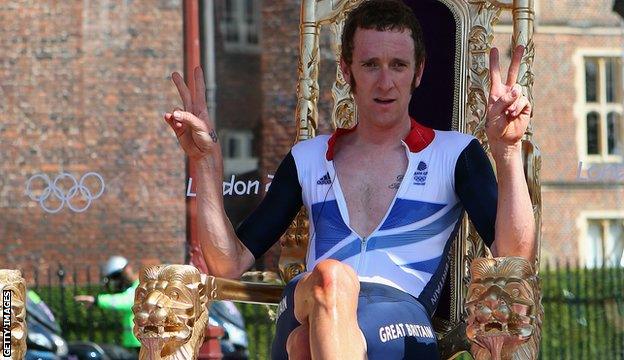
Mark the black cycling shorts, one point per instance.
(394, 323)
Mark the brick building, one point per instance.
(84, 85)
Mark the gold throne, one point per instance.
(458, 36)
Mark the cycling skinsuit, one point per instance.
(406, 258)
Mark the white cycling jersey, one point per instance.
(408, 246)
(447, 172)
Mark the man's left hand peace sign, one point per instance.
(509, 111)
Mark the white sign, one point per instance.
(234, 187)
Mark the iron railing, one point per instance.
(583, 307)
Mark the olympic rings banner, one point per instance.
(78, 196)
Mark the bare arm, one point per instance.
(515, 224)
(508, 117)
(223, 252)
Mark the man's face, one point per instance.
(383, 73)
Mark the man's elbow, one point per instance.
(230, 269)
(223, 271)
(524, 247)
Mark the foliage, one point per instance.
(79, 322)
(584, 313)
(260, 328)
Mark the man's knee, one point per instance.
(329, 285)
(334, 277)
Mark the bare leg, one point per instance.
(326, 305)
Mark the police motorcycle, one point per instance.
(43, 340)
(234, 343)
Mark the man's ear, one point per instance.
(346, 71)
(418, 74)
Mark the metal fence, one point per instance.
(57, 288)
(584, 312)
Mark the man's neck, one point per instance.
(371, 135)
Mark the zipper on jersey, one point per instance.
(362, 253)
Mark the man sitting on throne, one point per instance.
(384, 199)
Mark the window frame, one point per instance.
(583, 224)
(601, 107)
(242, 28)
(245, 140)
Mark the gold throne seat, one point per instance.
(458, 35)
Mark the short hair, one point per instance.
(382, 15)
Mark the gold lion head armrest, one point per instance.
(13, 313)
(504, 311)
(170, 312)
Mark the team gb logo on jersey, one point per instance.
(420, 175)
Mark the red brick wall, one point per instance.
(555, 96)
(83, 88)
(562, 216)
(577, 13)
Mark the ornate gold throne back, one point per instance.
(458, 36)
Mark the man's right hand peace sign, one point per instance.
(192, 125)
(509, 111)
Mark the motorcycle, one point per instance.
(43, 341)
(234, 343)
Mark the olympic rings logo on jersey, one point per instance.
(65, 195)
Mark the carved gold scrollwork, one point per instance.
(523, 15)
(314, 13)
(344, 112)
(483, 16)
(14, 284)
(307, 87)
(294, 244)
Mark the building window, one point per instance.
(238, 157)
(603, 108)
(240, 25)
(604, 242)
